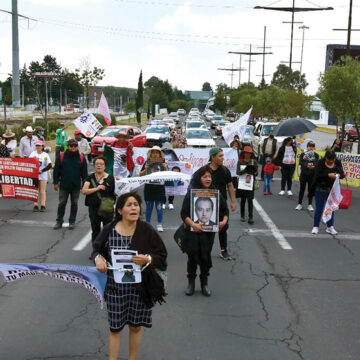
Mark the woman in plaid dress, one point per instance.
(124, 303)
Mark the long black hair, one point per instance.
(121, 201)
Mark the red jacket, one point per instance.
(270, 168)
(129, 154)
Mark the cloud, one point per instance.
(65, 2)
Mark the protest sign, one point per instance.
(175, 188)
(245, 182)
(350, 163)
(120, 163)
(87, 124)
(197, 157)
(87, 276)
(333, 201)
(125, 270)
(204, 209)
(19, 178)
(236, 128)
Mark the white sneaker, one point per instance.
(299, 207)
(315, 230)
(290, 192)
(164, 206)
(310, 208)
(160, 228)
(171, 206)
(282, 192)
(331, 230)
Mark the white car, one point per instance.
(169, 122)
(181, 112)
(194, 110)
(157, 135)
(200, 138)
(209, 115)
(215, 121)
(190, 124)
(262, 131)
(174, 116)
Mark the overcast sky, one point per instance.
(184, 42)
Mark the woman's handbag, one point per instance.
(184, 238)
(256, 184)
(106, 207)
(346, 200)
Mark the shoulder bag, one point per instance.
(106, 207)
(346, 194)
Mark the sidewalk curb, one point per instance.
(326, 129)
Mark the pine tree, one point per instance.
(139, 99)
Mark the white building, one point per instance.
(319, 115)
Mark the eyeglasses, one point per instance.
(72, 145)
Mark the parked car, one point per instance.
(262, 131)
(219, 127)
(136, 137)
(181, 112)
(215, 120)
(200, 138)
(347, 128)
(352, 134)
(157, 135)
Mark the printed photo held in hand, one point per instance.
(205, 209)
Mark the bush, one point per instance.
(102, 120)
(52, 135)
(53, 126)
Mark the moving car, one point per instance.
(200, 138)
(231, 115)
(174, 116)
(219, 127)
(136, 137)
(262, 131)
(168, 122)
(195, 125)
(181, 112)
(215, 120)
(209, 115)
(157, 135)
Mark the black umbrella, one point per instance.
(294, 126)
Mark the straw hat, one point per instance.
(8, 134)
(28, 129)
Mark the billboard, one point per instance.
(334, 52)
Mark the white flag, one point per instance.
(87, 124)
(103, 109)
(236, 128)
(333, 201)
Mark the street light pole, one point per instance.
(15, 59)
(292, 33)
(302, 48)
(349, 29)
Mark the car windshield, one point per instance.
(218, 118)
(169, 121)
(111, 132)
(194, 125)
(173, 115)
(267, 129)
(223, 123)
(157, 130)
(198, 134)
(249, 130)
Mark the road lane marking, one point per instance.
(272, 227)
(81, 245)
(32, 222)
(298, 234)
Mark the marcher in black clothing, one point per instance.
(286, 159)
(221, 179)
(70, 173)
(308, 161)
(326, 172)
(337, 145)
(199, 252)
(247, 160)
(4, 152)
(97, 186)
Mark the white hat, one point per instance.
(28, 129)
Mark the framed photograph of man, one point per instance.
(245, 182)
(205, 209)
(155, 166)
(346, 147)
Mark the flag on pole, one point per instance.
(103, 109)
(333, 201)
(236, 128)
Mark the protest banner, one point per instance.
(204, 209)
(176, 188)
(103, 109)
(236, 128)
(333, 201)
(120, 163)
(197, 157)
(87, 276)
(19, 178)
(87, 124)
(350, 163)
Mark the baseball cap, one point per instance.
(311, 143)
(77, 132)
(39, 142)
(72, 142)
(214, 151)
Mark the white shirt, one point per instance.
(11, 145)
(44, 161)
(27, 146)
(84, 147)
(289, 155)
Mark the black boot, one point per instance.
(191, 288)
(204, 288)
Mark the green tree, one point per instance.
(139, 101)
(206, 86)
(220, 101)
(340, 91)
(285, 78)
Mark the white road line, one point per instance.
(272, 227)
(81, 245)
(298, 234)
(32, 222)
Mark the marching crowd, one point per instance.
(130, 304)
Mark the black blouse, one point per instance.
(93, 199)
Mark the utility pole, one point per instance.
(264, 47)
(232, 70)
(304, 27)
(293, 10)
(250, 54)
(240, 66)
(15, 59)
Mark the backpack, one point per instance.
(62, 158)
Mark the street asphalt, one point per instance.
(286, 295)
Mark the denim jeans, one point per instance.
(63, 198)
(320, 201)
(267, 182)
(159, 210)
